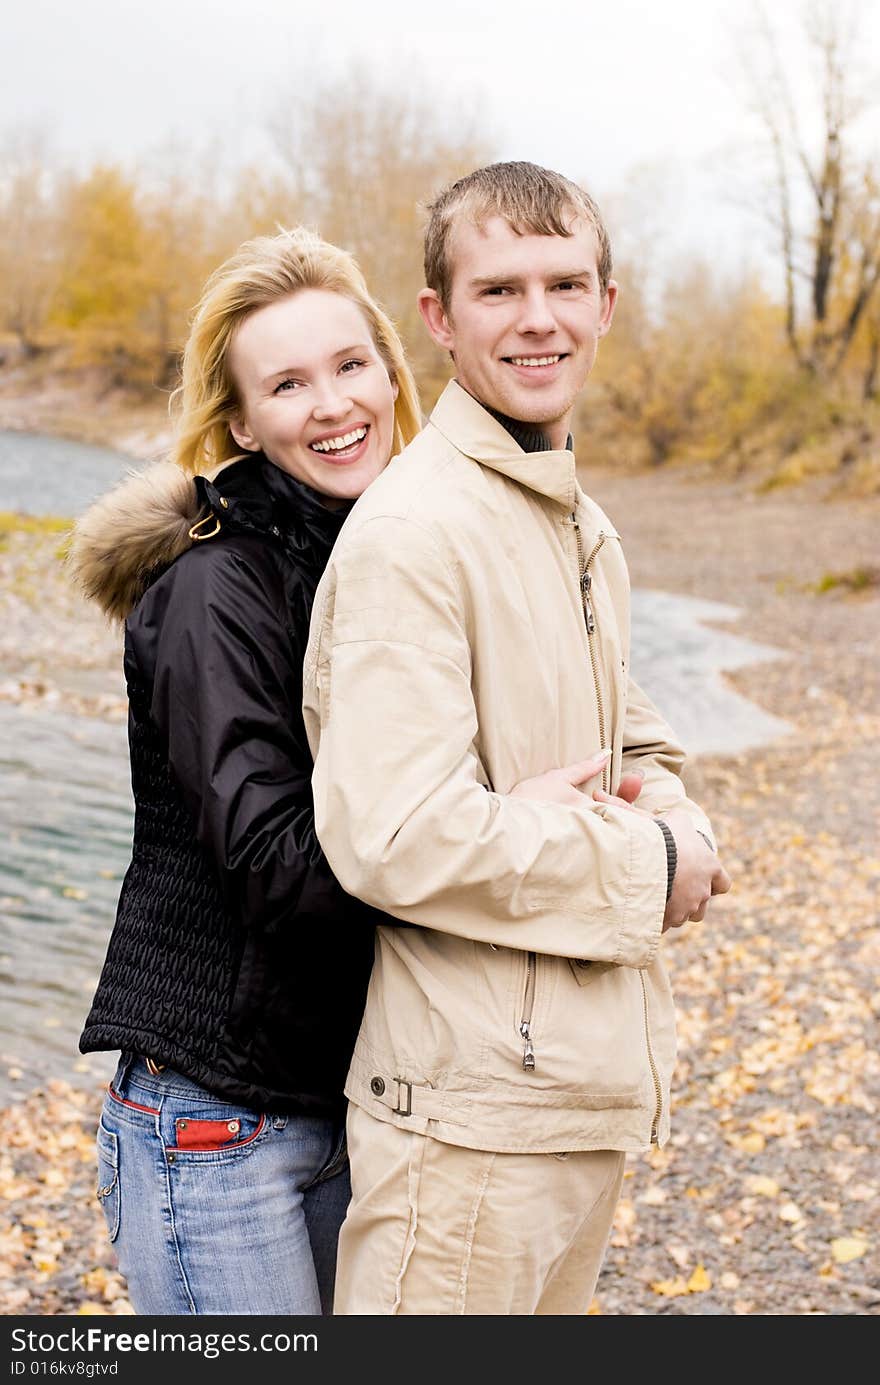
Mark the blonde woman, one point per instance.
(236, 972)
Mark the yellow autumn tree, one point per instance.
(102, 296)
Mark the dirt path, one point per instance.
(765, 1201)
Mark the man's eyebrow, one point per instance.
(556, 276)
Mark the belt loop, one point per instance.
(403, 1096)
(123, 1068)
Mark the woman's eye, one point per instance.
(351, 365)
(286, 385)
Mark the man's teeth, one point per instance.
(534, 360)
(337, 444)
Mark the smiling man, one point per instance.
(471, 636)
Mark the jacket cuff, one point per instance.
(671, 854)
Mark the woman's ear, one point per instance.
(242, 434)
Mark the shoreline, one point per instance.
(766, 1201)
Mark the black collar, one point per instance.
(253, 495)
(530, 438)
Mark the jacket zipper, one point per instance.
(528, 1061)
(655, 1126)
(585, 583)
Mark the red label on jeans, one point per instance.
(206, 1135)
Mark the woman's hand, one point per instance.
(561, 785)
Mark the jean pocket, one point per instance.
(193, 1131)
(108, 1178)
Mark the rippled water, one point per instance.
(65, 800)
(65, 821)
(40, 475)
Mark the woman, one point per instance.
(237, 968)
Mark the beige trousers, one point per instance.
(436, 1229)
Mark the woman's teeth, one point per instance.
(337, 444)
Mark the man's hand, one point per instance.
(698, 872)
(560, 785)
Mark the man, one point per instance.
(471, 631)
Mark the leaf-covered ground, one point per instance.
(765, 1201)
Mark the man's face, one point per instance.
(524, 319)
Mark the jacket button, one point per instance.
(377, 1086)
(233, 1127)
(181, 1125)
(224, 502)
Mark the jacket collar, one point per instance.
(472, 430)
(253, 495)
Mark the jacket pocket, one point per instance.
(585, 972)
(108, 1178)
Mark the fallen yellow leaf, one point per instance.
(789, 1211)
(752, 1143)
(761, 1186)
(670, 1288)
(846, 1248)
(699, 1281)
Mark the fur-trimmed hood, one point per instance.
(142, 524)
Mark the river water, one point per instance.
(65, 800)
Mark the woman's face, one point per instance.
(315, 394)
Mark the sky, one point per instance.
(646, 103)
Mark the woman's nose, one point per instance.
(331, 403)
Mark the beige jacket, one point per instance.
(472, 630)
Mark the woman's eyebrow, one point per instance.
(359, 348)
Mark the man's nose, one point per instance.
(536, 314)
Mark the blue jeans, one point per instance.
(213, 1208)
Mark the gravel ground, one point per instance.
(765, 1201)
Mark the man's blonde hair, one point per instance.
(529, 198)
(259, 272)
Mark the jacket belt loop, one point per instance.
(404, 1094)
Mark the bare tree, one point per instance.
(361, 158)
(28, 236)
(827, 210)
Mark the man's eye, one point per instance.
(496, 291)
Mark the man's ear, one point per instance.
(242, 434)
(608, 304)
(435, 318)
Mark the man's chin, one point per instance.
(526, 406)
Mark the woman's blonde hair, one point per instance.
(261, 271)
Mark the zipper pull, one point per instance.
(586, 583)
(528, 1050)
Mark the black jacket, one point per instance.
(236, 957)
